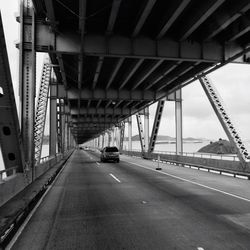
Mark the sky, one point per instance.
(199, 120)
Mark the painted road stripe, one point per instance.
(193, 182)
(98, 164)
(115, 178)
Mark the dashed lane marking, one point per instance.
(115, 178)
(193, 182)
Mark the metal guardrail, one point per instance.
(203, 155)
(7, 173)
(47, 160)
(195, 154)
(222, 166)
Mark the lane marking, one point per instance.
(115, 178)
(193, 182)
(26, 221)
(98, 164)
(200, 248)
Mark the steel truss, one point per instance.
(122, 130)
(60, 113)
(141, 133)
(41, 109)
(224, 119)
(10, 140)
(157, 120)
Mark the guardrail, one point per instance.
(7, 173)
(233, 167)
(203, 155)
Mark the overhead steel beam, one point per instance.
(114, 73)
(102, 111)
(139, 47)
(173, 17)
(158, 78)
(98, 71)
(198, 18)
(145, 74)
(82, 120)
(224, 21)
(51, 15)
(131, 72)
(145, 13)
(113, 15)
(111, 94)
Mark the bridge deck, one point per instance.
(130, 205)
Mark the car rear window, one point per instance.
(112, 149)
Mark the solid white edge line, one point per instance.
(195, 183)
(115, 178)
(22, 227)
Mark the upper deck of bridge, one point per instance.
(115, 57)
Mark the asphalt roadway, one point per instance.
(130, 205)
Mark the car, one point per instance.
(110, 154)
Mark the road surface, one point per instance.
(130, 205)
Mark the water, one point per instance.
(166, 147)
(187, 148)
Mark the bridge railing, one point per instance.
(7, 173)
(204, 161)
(230, 157)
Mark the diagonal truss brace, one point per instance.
(10, 134)
(122, 129)
(224, 119)
(141, 133)
(157, 121)
(41, 109)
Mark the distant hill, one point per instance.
(167, 138)
(218, 147)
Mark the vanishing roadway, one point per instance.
(129, 205)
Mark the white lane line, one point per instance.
(200, 248)
(98, 164)
(115, 178)
(22, 227)
(193, 182)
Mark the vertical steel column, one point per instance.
(130, 133)
(146, 129)
(63, 124)
(178, 122)
(53, 119)
(66, 128)
(27, 74)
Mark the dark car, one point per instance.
(110, 154)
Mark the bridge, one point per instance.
(106, 61)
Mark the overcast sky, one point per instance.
(232, 81)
